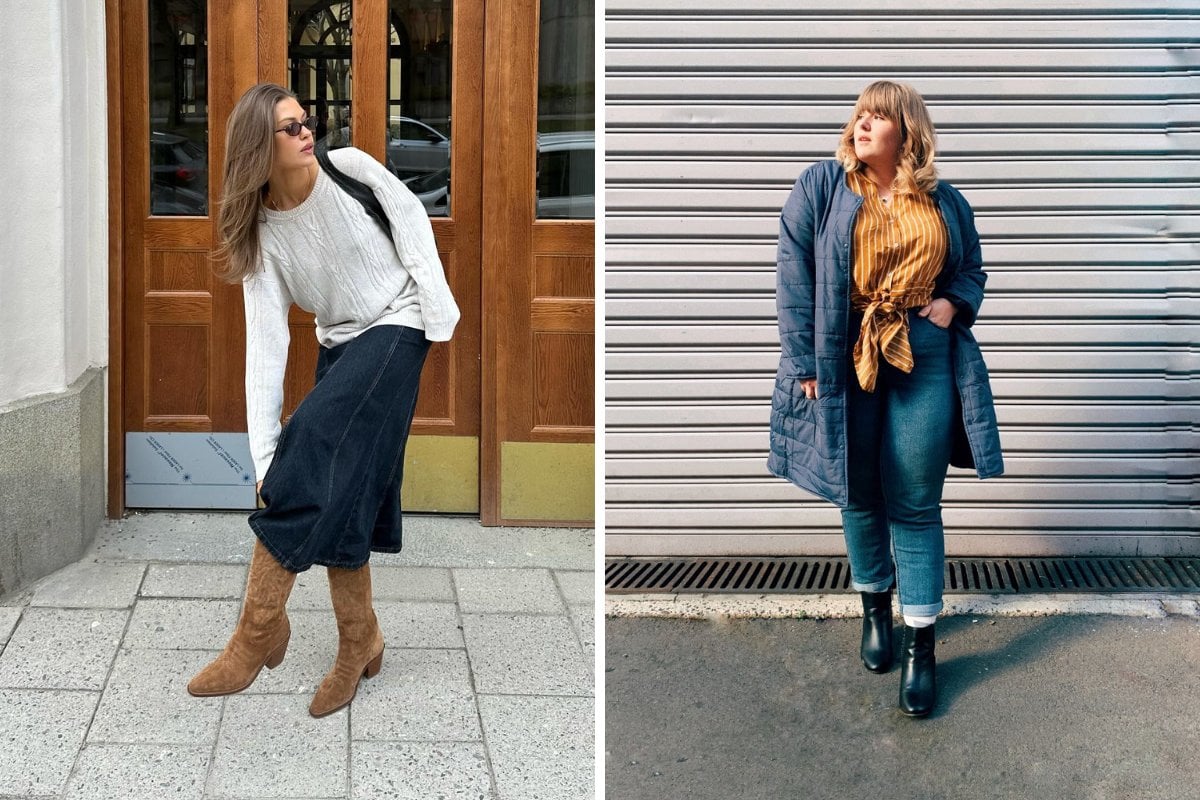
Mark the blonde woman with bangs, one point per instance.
(367, 267)
(881, 384)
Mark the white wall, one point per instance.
(53, 198)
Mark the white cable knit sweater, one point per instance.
(329, 257)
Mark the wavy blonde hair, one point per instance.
(249, 154)
(902, 104)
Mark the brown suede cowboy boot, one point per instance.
(262, 633)
(360, 642)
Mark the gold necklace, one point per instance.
(312, 181)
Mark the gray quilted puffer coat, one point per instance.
(816, 234)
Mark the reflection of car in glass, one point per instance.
(335, 134)
(566, 175)
(178, 175)
(175, 201)
(415, 149)
(566, 179)
(433, 190)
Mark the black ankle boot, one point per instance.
(918, 689)
(876, 650)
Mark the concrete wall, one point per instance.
(51, 480)
(53, 286)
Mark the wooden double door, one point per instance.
(485, 110)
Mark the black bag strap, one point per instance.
(356, 189)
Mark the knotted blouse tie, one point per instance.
(885, 330)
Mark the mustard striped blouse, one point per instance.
(899, 249)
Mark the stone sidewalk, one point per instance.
(487, 687)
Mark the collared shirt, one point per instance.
(899, 249)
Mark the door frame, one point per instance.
(487, 289)
(521, 311)
(116, 262)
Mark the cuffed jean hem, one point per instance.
(926, 610)
(876, 587)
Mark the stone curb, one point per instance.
(840, 606)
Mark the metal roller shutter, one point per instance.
(1075, 134)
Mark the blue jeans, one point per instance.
(898, 440)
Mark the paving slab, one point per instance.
(577, 587)
(518, 654)
(422, 625)
(412, 583)
(420, 770)
(8, 621)
(222, 537)
(387, 584)
(182, 624)
(58, 648)
(270, 747)
(139, 772)
(146, 701)
(17, 599)
(419, 695)
(90, 584)
(462, 542)
(41, 732)
(1067, 707)
(429, 541)
(157, 597)
(543, 748)
(215, 581)
(584, 620)
(311, 652)
(501, 591)
(311, 591)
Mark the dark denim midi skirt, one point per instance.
(332, 492)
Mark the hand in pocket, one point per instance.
(940, 312)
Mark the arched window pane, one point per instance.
(319, 65)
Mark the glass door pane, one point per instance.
(418, 98)
(566, 138)
(319, 35)
(178, 83)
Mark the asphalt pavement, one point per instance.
(1072, 707)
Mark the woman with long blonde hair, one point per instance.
(881, 385)
(329, 480)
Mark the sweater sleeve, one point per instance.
(267, 302)
(412, 234)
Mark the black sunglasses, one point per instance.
(293, 128)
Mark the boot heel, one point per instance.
(276, 657)
(373, 666)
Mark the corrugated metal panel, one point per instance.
(1073, 129)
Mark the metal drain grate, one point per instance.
(963, 576)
